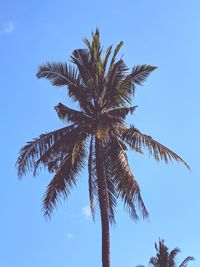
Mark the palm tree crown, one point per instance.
(166, 258)
(102, 86)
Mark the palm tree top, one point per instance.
(104, 88)
(166, 258)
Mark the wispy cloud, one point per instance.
(86, 211)
(7, 28)
(69, 236)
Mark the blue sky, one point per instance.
(161, 33)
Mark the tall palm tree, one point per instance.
(103, 88)
(166, 258)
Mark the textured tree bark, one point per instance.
(102, 192)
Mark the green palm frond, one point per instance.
(135, 138)
(35, 149)
(64, 179)
(95, 51)
(185, 262)
(116, 51)
(71, 115)
(106, 57)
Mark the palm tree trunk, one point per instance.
(102, 192)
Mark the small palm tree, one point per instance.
(104, 89)
(166, 258)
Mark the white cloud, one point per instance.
(8, 27)
(86, 211)
(69, 236)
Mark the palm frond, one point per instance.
(92, 176)
(121, 112)
(164, 258)
(71, 115)
(61, 74)
(185, 262)
(81, 58)
(106, 57)
(162, 254)
(105, 185)
(94, 49)
(172, 256)
(135, 138)
(60, 149)
(140, 73)
(129, 188)
(96, 45)
(111, 188)
(35, 149)
(111, 96)
(107, 124)
(54, 155)
(116, 51)
(64, 179)
(154, 261)
(126, 184)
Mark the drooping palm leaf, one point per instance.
(92, 177)
(60, 149)
(135, 138)
(127, 187)
(35, 149)
(111, 189)
(64, 179)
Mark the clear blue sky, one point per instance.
(161, 33)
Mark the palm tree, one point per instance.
(103, 88)
(166, 258)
